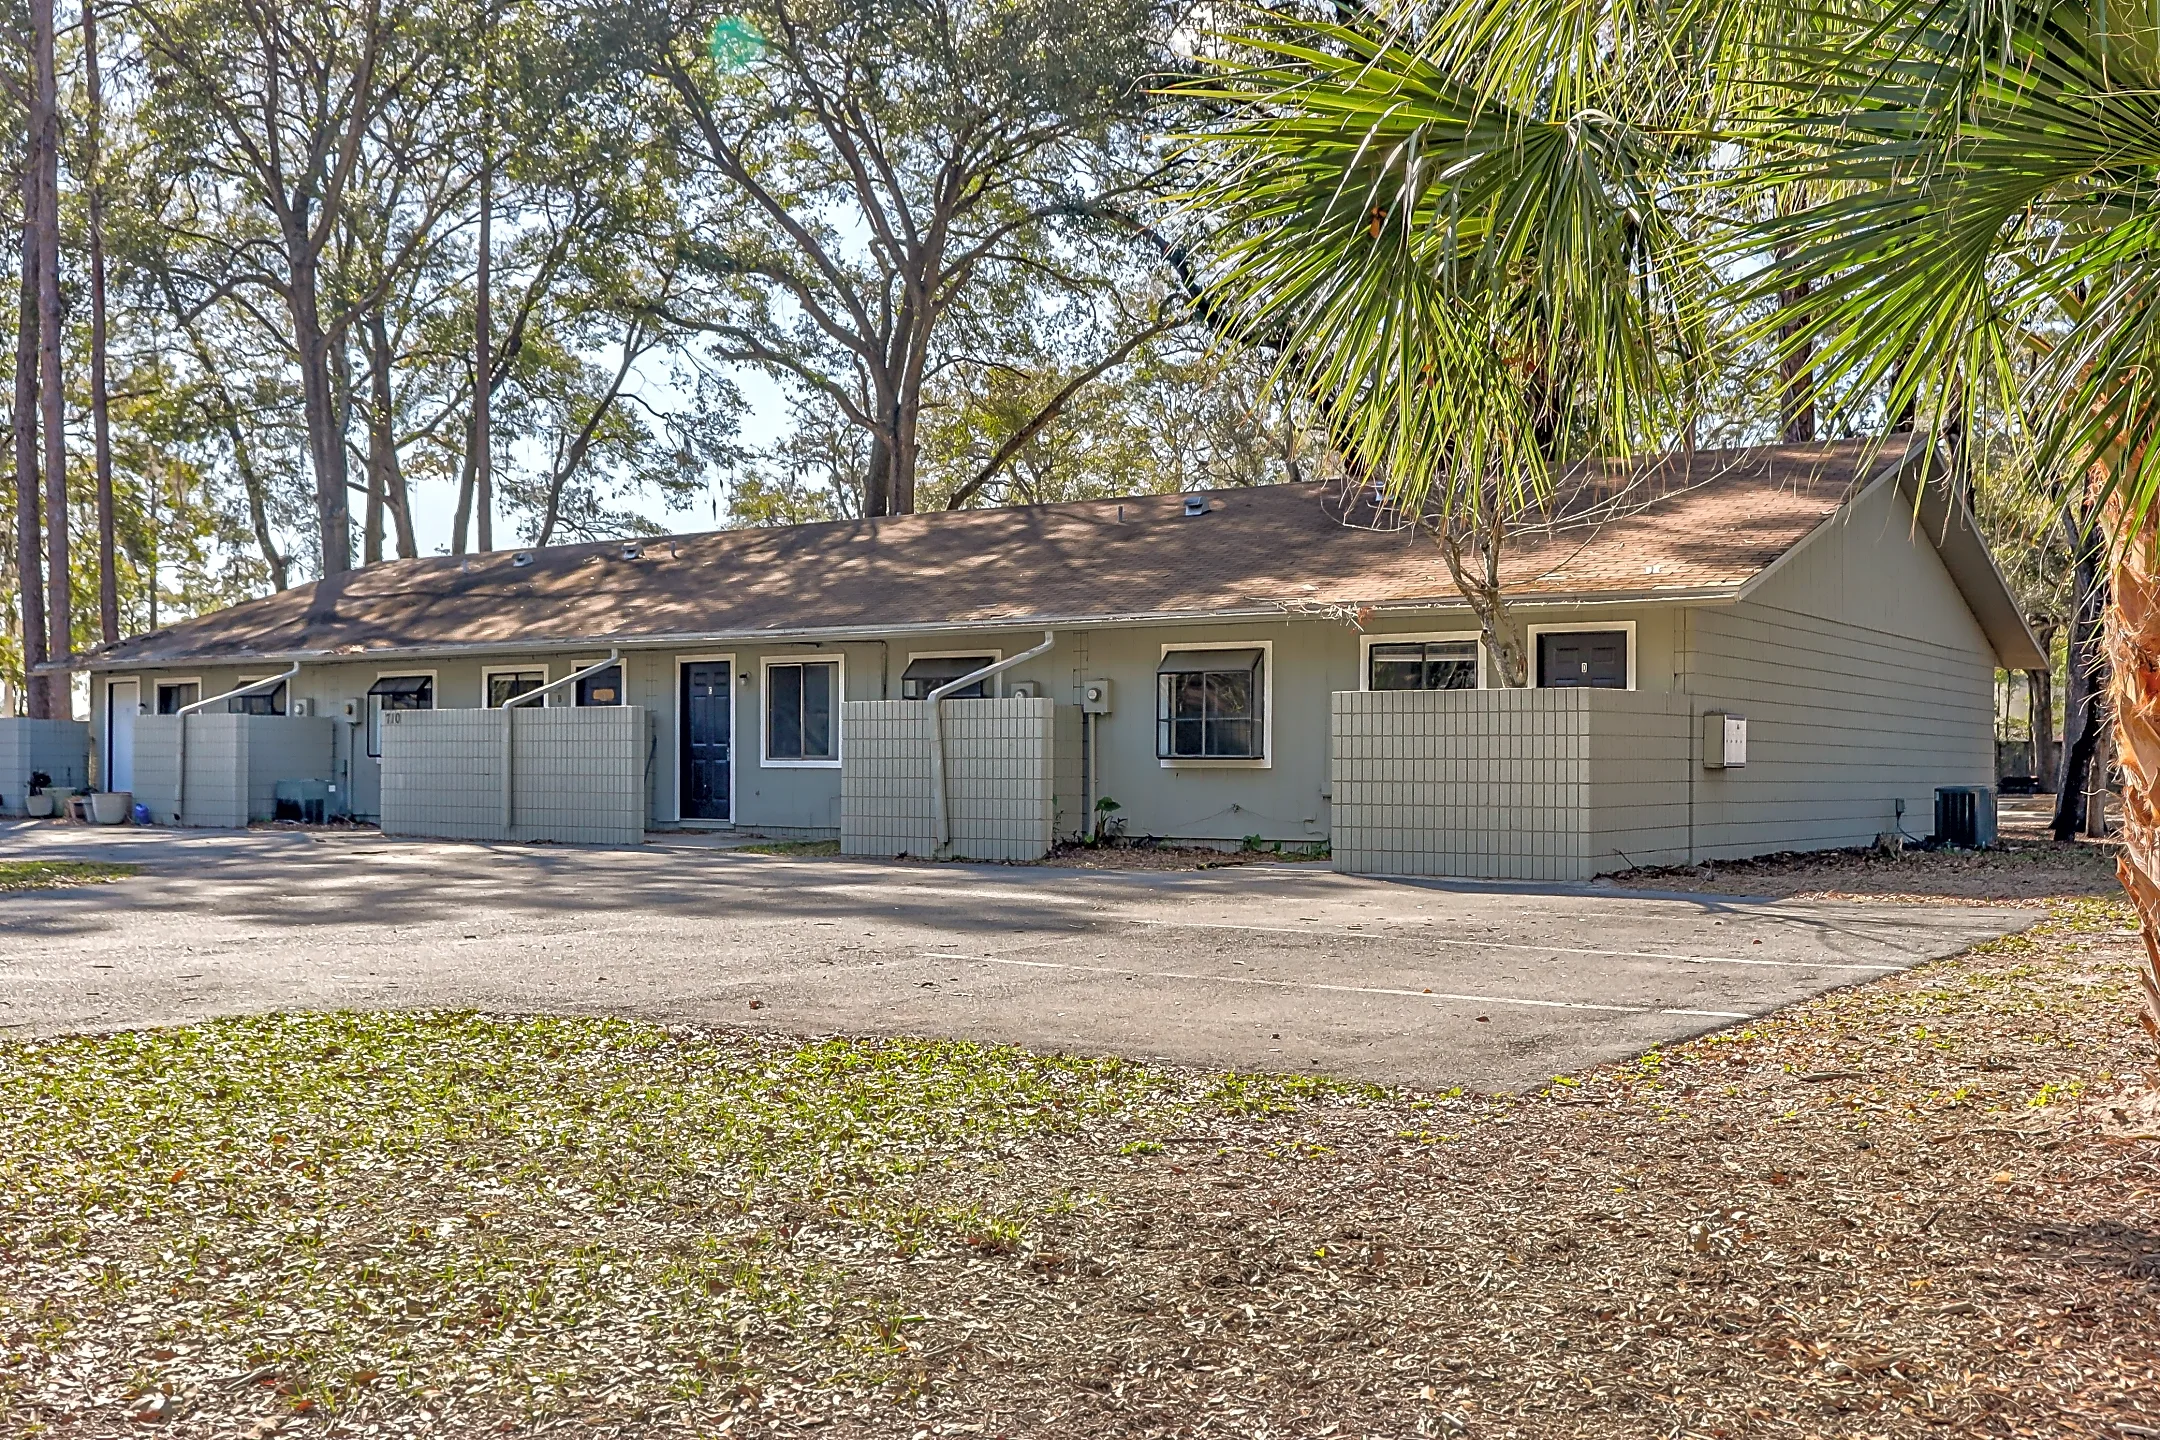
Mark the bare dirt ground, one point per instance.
(1920, 1206)
(2022, 871)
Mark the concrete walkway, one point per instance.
(1260, 967)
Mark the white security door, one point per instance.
(123, 698)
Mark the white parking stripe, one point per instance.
(1343, 989)
(1512, 945)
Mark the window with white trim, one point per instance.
(503, 686)
(395, 692)
(926, 672)
(1422, 665)
(173, 694)
(1208, 705)
(802, 702)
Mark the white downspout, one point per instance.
(533, 697)
(940, 806)
(180, 748)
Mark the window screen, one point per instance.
(1577, 658)
(506, 685)
(1427, 665)
(396, 692)
(1207, 705)
(926, 674)
(799, 704)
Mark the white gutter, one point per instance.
(180, 748)
(940, 806)
(530, 697)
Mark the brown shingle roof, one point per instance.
(1704, 528)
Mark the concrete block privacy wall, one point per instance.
(999, 778)
(59, 748)
(1509, 784)
(234, 763)
(578, 776)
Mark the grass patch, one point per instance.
(791, 847)
(546, 1216)
(56, 874)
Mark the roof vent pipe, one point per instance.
(631, 550)
(1196, 505)
(522, 558)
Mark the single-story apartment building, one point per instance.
(1286, 662)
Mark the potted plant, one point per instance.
(40, 801)
(111, 807)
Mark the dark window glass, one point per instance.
(1428, 665)
(1577, 658)
(505, 686)
(924, 675)
(171, 697)
(260, 702)
(1208, 706)
(396, 692)
(602, 687)
(799, 718)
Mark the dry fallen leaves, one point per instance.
(1903, 1209)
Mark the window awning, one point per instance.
(1188, 662)
(411, 688)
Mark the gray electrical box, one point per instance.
(1724, 741)
(1095, 697)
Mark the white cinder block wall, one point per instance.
(1508, 784)
(999, 778)
(234, 764)
(577, 775)
(59, 748)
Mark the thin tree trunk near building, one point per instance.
(100, 433)
(52, 398)
(483, 363)
(2133, 645)
(319, 404)
(1796, 388)
(2096, 779)
(387, 474)
(29, 534)
(2040, 716)
(2086, 670)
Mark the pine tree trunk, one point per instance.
(2133, 642)
(484, 362)
(52, 397)
(29, 534)
(100, 434)
(2085, 665)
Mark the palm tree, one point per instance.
(1989, 244)
(1476, 281)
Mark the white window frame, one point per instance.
(154, 683)
(1581, 628)
(570, 691)
(371, 718)
(734, 769)
(1267, 705)
(488, 672)
(1366, 643)
(764, 704)
(997, 681)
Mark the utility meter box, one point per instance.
(1095, 697)
(1724, 741)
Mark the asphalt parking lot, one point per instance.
(1288, 967)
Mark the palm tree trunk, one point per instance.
(2133, 643)
(100, 435)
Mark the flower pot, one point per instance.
(39, 805)
(110, 807)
